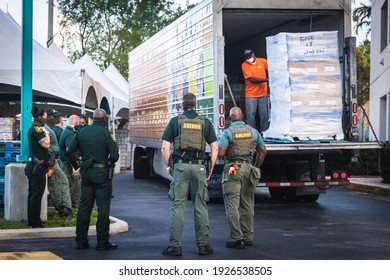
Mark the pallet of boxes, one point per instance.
(306, 88)
(9, 149)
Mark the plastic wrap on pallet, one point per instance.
(305, 85)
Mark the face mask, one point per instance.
(40, 121)
(251, 60)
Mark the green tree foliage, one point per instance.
(109, 29)
(362, 17)
(363, 71)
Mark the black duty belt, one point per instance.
(195, 161)
(239, 161)
(99, 165)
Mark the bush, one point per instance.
(368, 163)
(385, 163)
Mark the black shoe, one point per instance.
(108, 246)
(172, 251)
(82, 246)
(239, 244)
(205, 250)
(248, 243)
(65, 212)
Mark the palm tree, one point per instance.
(362, 16)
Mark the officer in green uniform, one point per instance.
(238, 144)
(54, 120)
(100, 152)
(189, 133)
(36, 167)
(57, 183)
(73, 181)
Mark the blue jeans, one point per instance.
(259, 105)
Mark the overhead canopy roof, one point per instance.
(55, 78)
(114, 94)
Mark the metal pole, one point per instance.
(50, 24)
(113, 117)
(82, 74)
(26, 79)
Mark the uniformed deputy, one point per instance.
(238, 144)
(54, 120)
(73, 181)
(189, 133)
(57, 183)
(36, 167)
(99, 149)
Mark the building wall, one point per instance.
(380, 69)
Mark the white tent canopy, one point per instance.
(114, 75)
(53, 79)
(117, 98)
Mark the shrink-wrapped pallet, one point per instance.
(305, 85)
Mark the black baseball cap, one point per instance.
(248, 52)
(52, 112)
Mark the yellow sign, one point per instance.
(192, 126)
(243, 135)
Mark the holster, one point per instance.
(110, 171)
(38, 166)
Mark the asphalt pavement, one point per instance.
(141, 210)
(364, 183)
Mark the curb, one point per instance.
(118, 226)
(368, 187)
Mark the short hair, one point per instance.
(83, 117)
(189, 101)
(37, 112)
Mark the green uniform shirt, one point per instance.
(65, 139)
(53, 140)
(172, 130)
(94, 141)
(58, 131)
(35, 134)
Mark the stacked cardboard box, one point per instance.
(305, 83)
(7, 129)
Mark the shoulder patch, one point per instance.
(38, 129)
(113, 137)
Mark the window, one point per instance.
(384, 25)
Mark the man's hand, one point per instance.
(75, 173)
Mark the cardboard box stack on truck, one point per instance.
(313, 121)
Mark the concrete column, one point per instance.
(16, 194)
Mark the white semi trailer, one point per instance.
(204, 46)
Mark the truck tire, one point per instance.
(283, 194)
(141, 163)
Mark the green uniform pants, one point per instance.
(94, 187)
(189, 178)
(238, 195)
(73, 183)
(36, 188)
(58, 188)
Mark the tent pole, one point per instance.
(82, 73)
(26, 81)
